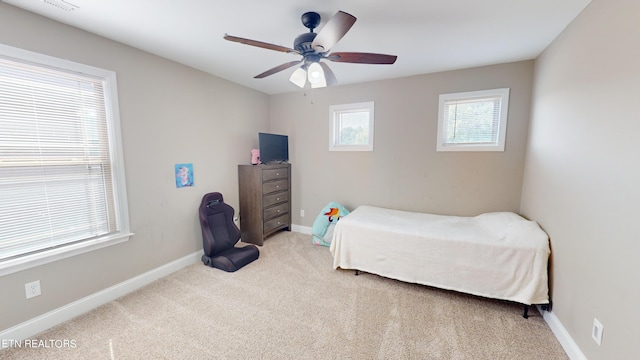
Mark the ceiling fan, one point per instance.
(316, 46)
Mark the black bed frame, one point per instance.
(545, 307)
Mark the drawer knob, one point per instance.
(277, 198)
(278, 210)
(277, 186)
(277, 173)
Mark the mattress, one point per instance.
(497, 255)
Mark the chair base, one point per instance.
(232, 259)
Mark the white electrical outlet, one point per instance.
(596, 332)
(32, 289)
(301, 213)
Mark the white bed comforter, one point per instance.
(497, 255)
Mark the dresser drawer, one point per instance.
(280, 221)
(276, 211)
(274, 174)
(273, 186)
(273, 199)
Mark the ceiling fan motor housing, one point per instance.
(303, 42)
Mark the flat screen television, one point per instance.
(273, 148)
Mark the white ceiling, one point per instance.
(426, 35)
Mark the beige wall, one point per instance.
(582, 174)
(404, 171)
(169, 114)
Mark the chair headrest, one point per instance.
(213, 203)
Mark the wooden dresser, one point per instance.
(265, 200)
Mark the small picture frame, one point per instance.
(184, 175)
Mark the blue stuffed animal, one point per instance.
(322, 229)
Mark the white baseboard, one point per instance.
(569, 346)
(46, 321)
(301, 229)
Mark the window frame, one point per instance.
(335, 111)
(498, 145)
(123, 232)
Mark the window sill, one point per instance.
(471, 147)
(26, 262)
(351, 148)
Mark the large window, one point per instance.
(473, 121)
(351, 127)
(62, 186)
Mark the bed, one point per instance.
(496, 255)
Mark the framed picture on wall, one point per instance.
(184, 175)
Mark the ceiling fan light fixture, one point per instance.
(319, 84)
(299, 77)
(315, 73)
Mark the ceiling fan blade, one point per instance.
(260, 44)
(333, 30)
(362, 58)
(277, 69)
(329, 76)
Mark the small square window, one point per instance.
(351, 127)
(473, 121)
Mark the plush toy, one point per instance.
(322, 229)
(255, 156)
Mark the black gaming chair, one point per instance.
(220, 235)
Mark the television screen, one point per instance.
(273, 148)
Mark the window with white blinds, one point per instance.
(473, 121)
(61, 171)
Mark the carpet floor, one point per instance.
(291, 304)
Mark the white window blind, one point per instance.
(57, 183)
(473, 120)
